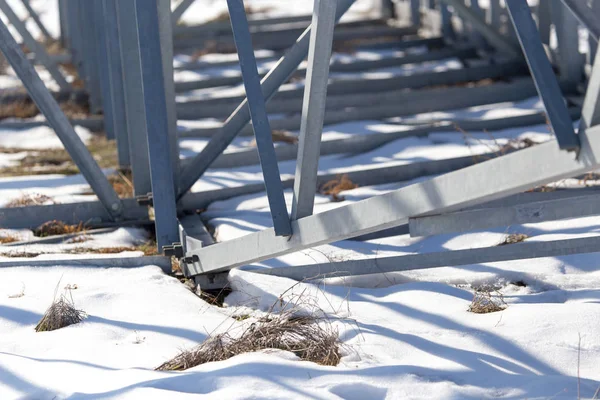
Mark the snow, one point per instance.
(405, 335)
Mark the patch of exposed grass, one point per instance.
(121, 181)
(54, 227)
(335, 186)
(513, 238)
(487, 300)
(305, 336)
(34, 199)
(60, 314)
(26, 108)
(9, 239)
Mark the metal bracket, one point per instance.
(145, 200)
(174, 250)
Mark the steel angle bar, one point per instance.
(260, 120)
(465, 221)
(101, 64)
(40, 53)
(115, 81)
(36, 19)
(489, 33)
(413, 262)
(179, 10)
(415, 12)
(162, 262)
(588, 16)
(282, 71)
(543, 75)
(157, 123)
(313, 108)
(59, 122)
(134, 97)
(88, 53)
(469, 186)
(93, 124)
(569, 60)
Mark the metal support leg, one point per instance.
(570, 61)
(543, 75)
(64, 22)
(59, 122)
(115, 80)
(88, 45)
(544, 16)
(102, 66)
(415, 12)
(260, 121)
(134, 97)
(241, 116)
(179, 10)
(447, 27)
(313, 108)
(37, 20)
(163, 189)
(40, 53)
(493, 14)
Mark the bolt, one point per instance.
(115, 206)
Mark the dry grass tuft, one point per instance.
(335, 186)
(54, 227)
(60, 314)
(27, 109)
(513, 238)
(34, 199)
(121, 181)
(9, 239)
(487, 300)
(281, 136)
(304, 336)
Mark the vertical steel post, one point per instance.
(115, 81)
(544, 16)
(415, 12)
(40, 53)
(59, 122)
(260, 120)
(447, 27)
(570, 61)
(102, 66)
(313, 108)
(543, 75)
(89, 53)
(157, 122)
(64, 22)
(134, 97)
(284, 68)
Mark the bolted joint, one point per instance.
(145, 200)
(174, 250)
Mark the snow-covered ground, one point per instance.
(405, 335)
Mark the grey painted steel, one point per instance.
(134, 98)
(465, 221)
(215, 28)
(569, 60)
(363, 143)
(102, 62)
(521, 170)
(414, 102)
(115, 80)
(543, 75)
(586, 15)
(260, 120)
(40, 53)
(36, 19)
(88, 58)
(355, 66)
(94, 124)
(162, 262)
(179, 10)
(64, 23)
(57, 239)
(241, 116)
(447, 26)
(415, 12)
(313, 108)
(166, 47)
(90, 213)
(59, 122)
(356, 92)
(491, 35)
(155, 102)
(518, 251)
(493, 14)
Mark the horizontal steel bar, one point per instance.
(518, 251)
(162, 262)
(521, 170)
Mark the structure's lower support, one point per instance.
(40, 53)
(543, 75)
(518, 251)
(241, 116)
(313, 108)
(521, 170)
(59, 122)
(162, 262)
(485, 218)
(260, 120)
(157, 122)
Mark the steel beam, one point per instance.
(59, 122)
(36, 19)
(157, 122)
(101, 62)
(241, 116)
(40, 53)
(162, 262)
(413, 262)
(521, 170)
(569, 60)
(588, 17)
(543, 75)
(313, 108)
(485, 218)
(260, 120)
(490, 34)
(180, 10)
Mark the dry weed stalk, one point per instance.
(60, 314)
(487, 300)
(54, 227)
(335, 186)
(34, 199)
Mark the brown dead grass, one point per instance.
(9, 239)
(487, 300)
(26, 108)
(54, 227)
(281, 136)
(513, 238)
(335, 186)
(60, 314)
(34, 199)
(121, 181)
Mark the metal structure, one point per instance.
(123, 50)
